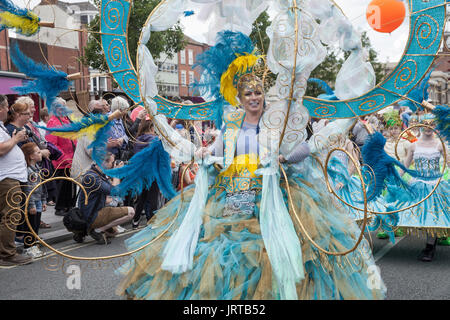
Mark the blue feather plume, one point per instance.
(442, 120)
(329, 93)
(146, 166)
(99, 144)
(383, 167)
(7, 5)
(188, 13)
(48, 82)
(418, 94)
(77, 126)
(216, 60)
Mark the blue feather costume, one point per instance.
(48, 82)
(146, 166)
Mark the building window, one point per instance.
(183, 56)
(183, 77)
(191, 57)
(103, 84)
(191, 77)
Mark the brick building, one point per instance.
(186, 59)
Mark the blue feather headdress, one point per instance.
(441, 113)
(146, 166)
(215, 62)
(329, 93)
(48, 82)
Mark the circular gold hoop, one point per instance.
(86, 199)
(421, 201)
(303, 229)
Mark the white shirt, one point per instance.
(12, 164)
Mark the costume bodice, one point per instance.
(342, 157)
(426, 160)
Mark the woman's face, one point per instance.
(22, 118)
(427, 132)
(252, 99)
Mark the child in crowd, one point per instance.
(37, 203)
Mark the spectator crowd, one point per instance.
(29, 155)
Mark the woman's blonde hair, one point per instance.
(25, 100)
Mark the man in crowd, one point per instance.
(13, 171)
(101, 219)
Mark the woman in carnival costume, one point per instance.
(233, 236)
(347, 187)
(433, 215)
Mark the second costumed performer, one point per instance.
(234, 235)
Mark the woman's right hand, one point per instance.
(19, 136)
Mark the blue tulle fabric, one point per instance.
(352, 193)
(231, 262)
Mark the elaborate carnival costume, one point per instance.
(432, 215)
(232, 235)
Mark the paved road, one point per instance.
(405, 277)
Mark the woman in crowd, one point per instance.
(66, 190)
(118, 131)
(148, 199)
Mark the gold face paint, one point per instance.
(251, 92)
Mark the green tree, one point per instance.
(259, 36)
(170, 41)
(262, 41)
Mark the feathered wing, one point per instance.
(99, 144)
(47, 82)
(146, 166)
(383, 167)
(89, 126)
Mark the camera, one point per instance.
(117, 162)
(27, 131)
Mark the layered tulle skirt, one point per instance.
(231, 262)
(352, 193)
(432, 216)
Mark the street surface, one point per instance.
(52, 278)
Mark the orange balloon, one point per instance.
(385, 15)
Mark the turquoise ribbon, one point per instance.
(279, 235)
